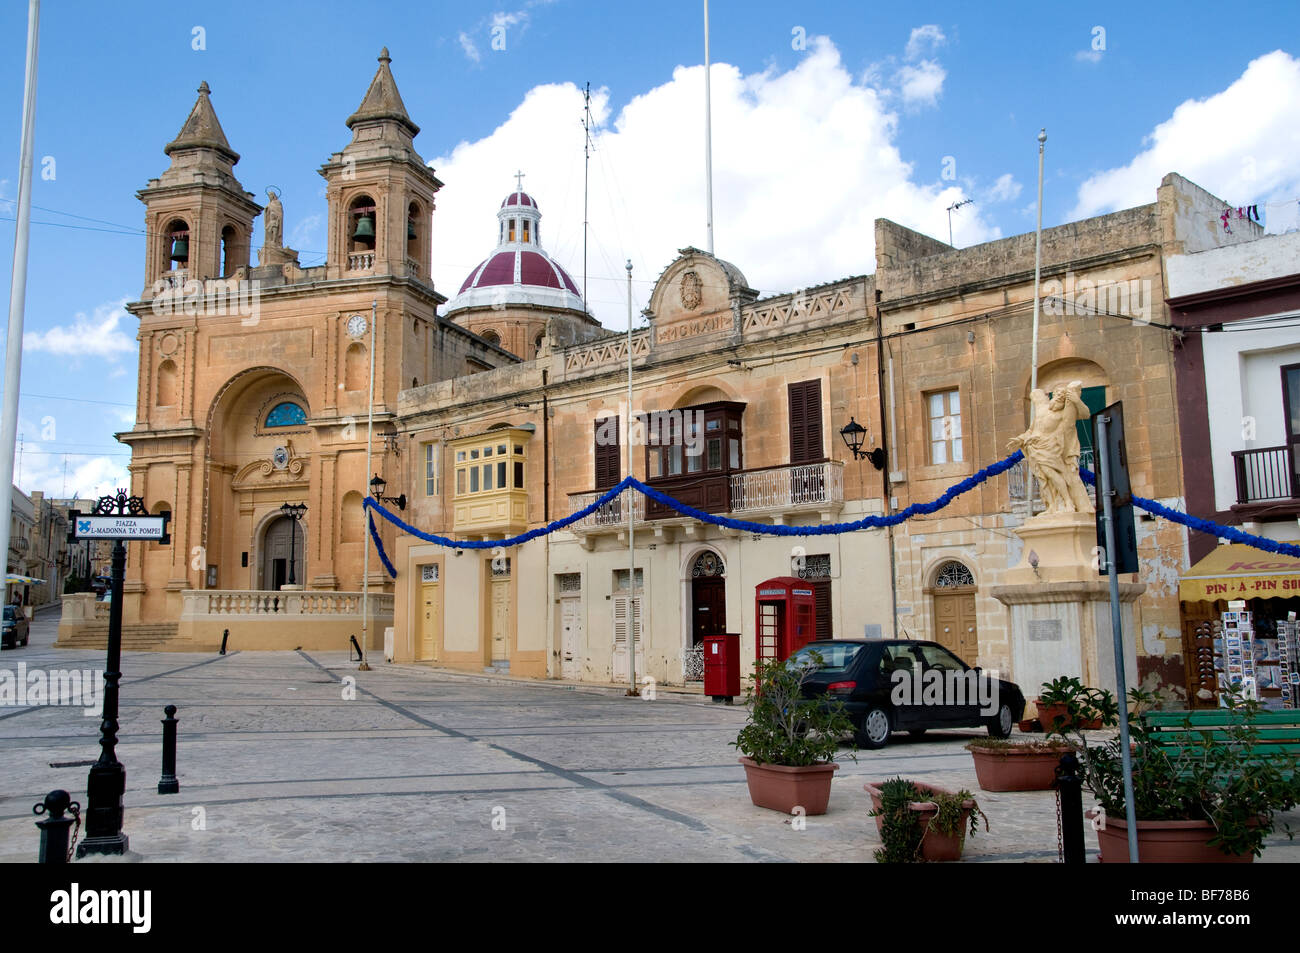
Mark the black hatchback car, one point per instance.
(16, 629)
(910, 685)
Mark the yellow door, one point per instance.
(500, 619)
(431, 621)
(954, 625)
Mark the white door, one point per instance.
(500, 620)
(571, 640)
(622, 605)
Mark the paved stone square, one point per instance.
(276, 764)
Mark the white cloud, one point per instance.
(1005, 189)
(97, 336)
(1240, 144)
(471, 51)
(921, 84)
(305, 233)
(87, 477)
(1088, 56)
(799, 211)
(924, 39)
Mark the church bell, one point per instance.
(365, 228)
(410, 230)
(180, 249)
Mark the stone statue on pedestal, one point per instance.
(1051, 448)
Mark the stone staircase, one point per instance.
(136, 637)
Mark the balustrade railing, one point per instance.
(609, 516)
(361, 261)
(284, 603)
(1267, 473)
(776, 488)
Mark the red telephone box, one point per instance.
(784, 617)
(722, 666)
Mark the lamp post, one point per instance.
(295, 512)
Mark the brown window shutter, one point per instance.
(805, 422)
(822, 602)
(607, 456)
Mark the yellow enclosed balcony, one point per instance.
(489, 496)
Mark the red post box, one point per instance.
(785, 617)
(722, 666)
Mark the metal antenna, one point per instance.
(952, 208)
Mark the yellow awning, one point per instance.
(1237, 571)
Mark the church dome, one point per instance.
(519, 271)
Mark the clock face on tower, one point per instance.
(356, 325)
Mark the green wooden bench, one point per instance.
(1183, 733)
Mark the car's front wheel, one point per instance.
(873, 732)
(1000, 725)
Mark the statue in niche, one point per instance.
(274, 220)
(1051, 448)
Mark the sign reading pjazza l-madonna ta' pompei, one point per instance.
(120, 527)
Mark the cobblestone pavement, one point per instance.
(275, 764)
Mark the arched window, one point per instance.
(286, 414)
(953, 575)
(355, 368)
(537, 342)
(491, 337)
(229, 251)
(707, 563)
(176, 245)
(362, 225)
(166, 393)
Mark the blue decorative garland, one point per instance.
(820, 529)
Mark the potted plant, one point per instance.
(1066, 704)
(789, 742)
(1209, 799)
(1002, 765)
(921, 822)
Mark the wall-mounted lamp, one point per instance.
(377, 487)
(853, 434)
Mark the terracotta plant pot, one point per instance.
(779, 787)
(1047, 715)
(1016, 769)
(935, 845)
(1163, 842)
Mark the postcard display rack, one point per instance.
(1261, 655)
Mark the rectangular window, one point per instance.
(460, 482)
(943, 410)
(805, 400)
(620, 580)
(473, 479)
(487, 476)
(501, 475)
(430, 471)
(519, 474)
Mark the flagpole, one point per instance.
(365, 559)
(631, 538)
(18, 282)
(1038, 273)
(708, 130)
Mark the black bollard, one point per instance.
(225, 634)
(54, 829)
(356, 645)
(1069, 785)
(168, 784)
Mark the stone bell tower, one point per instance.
(380, 191)
(198, 217)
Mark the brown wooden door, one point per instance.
(709, 608)
(954, 625)
(1198, 653)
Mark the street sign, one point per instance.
(1114, 457)
(153, 528)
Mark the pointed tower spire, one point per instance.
(202, 130)
(382, 100)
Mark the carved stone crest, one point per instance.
(691, 291)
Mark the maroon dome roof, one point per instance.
(532, 268)
(518, 198)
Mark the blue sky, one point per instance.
(826, 116)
